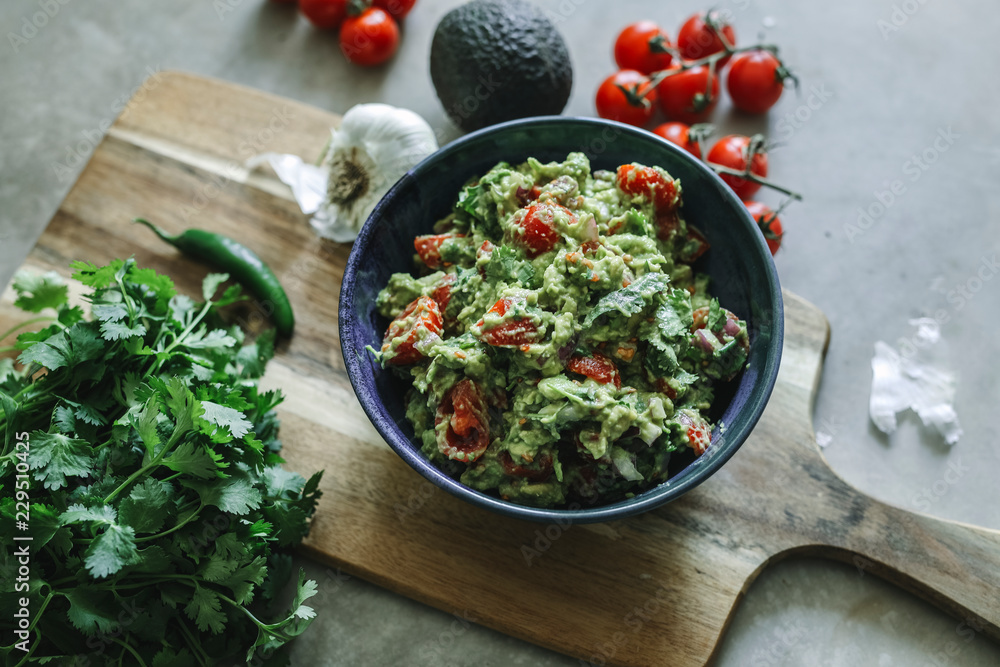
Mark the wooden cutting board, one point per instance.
(654, 589)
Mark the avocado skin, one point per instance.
(497, 60)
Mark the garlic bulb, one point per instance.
(375, 145)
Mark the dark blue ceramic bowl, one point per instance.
(740, 266)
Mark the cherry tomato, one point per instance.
(429, 247)
(732, 151)
(370, 38)
(539, 470)
(537, 233)
(596, 367)
(755, 81)
(679, 133)
(689, 96)
(326, 14)
(634, 107)
(768, 222)
(442, 293)
(513, 332)
(468, 433)
(651, 182)
(398, 9)
(696, 39)
(639, 47)
(417, 322)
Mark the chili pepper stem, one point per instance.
(156, 230)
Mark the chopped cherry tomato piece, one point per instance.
(517, 331)
(539, 474)
(700, 437)
(468, 433)
(667, 223)
(418, 320)
(596, 367)
(429, 247)
(442, 293)
(538, 233)
(695, 246)
(525, 196)
(654, 183)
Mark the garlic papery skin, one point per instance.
(375, 145)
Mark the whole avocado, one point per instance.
(496, 60)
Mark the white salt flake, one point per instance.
(823, 439)
(905, 382)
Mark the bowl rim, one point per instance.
(654, 497)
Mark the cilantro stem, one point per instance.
(129, 649)
(192, 644)
(181, 336)
(180, 525)
(26, 323)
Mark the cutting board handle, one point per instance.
(952, 565)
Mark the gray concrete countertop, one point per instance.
(882, 82)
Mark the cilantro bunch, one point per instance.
(142, 460)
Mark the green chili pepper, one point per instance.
(241, 263)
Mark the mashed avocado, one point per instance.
(559, 345)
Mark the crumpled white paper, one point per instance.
(901, 382)
(307, 181)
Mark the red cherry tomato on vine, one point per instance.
(636, 48)
(755, 81)
(768, 222)
(615, 104)
(370, 38)
(398, 9)
(689, 96)
(680, 134)
(732, 151)
(326, 14)
(696, 39)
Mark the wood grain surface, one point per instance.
(654, 589)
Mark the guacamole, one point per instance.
(559, 345)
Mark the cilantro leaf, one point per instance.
(147, 506)
(111, 551)
(716, 316)
(91, 611)
(235, 494)
(205, 610)
(226, 417)
(244, 579)
(629, 300)
(210, 285)
(505, 266)
(196, 460)
(36, 292)
(79, 513)
(54, 457)
(121, 331)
